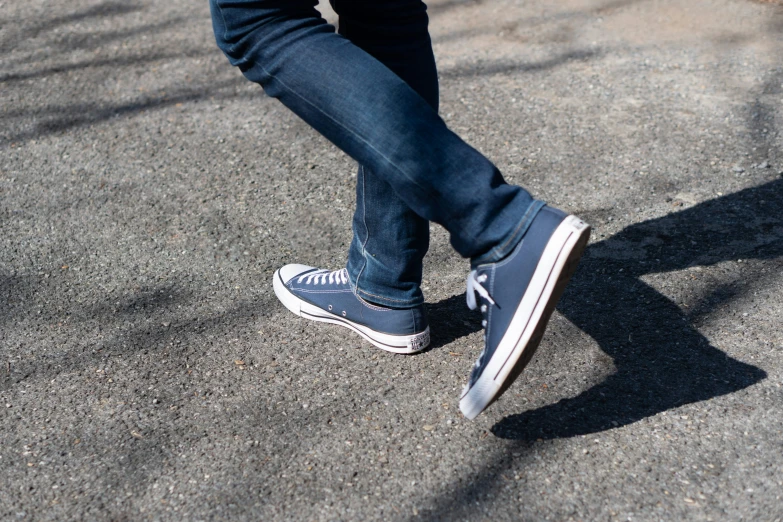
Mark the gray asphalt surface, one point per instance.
(148, 192)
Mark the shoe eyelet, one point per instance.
(330, 308)
(344, 313)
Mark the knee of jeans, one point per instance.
(226, 28)
(255, 29)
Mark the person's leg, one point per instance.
(522, 254)
(374, 116)
(390, 240)
(385, 257)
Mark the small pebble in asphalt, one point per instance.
(738, 169)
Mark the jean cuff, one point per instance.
(375, 298)
(510, 243)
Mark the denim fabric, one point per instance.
(372, 91)
(385, 263)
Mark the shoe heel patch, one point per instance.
(577, 223)
(420, 341)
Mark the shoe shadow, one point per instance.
(450, 319)
(662, 360)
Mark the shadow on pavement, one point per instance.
(64, 118)
(662, 361)
(15, 292)
(451, 320)
(66, 47)
(511, 67)
(111, 63)
(103, 10)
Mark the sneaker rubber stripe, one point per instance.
(487, 389)
(535, 307)
(410, 346)
(348, 324)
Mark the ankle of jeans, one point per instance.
(381, 298)
(398, 304)
(510, 242)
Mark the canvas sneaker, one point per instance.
(327, 296)
(516, 296)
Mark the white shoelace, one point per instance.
(324, 276)
(475, 286)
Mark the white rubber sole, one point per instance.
(523, 336)
(405, 344)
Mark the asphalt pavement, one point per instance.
(148, 192)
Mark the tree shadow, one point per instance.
(16, 292)
(63, 118)
(662, 361)
(104, 10)
(96, 40)
(24, 122)
(448, 5)
(112, 63)
(127, 323)
(533, 21)
(478, 69)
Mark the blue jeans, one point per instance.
(372, 91)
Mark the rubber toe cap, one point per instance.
(288, 272)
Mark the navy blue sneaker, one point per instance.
(327, 296)
(517, 295)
